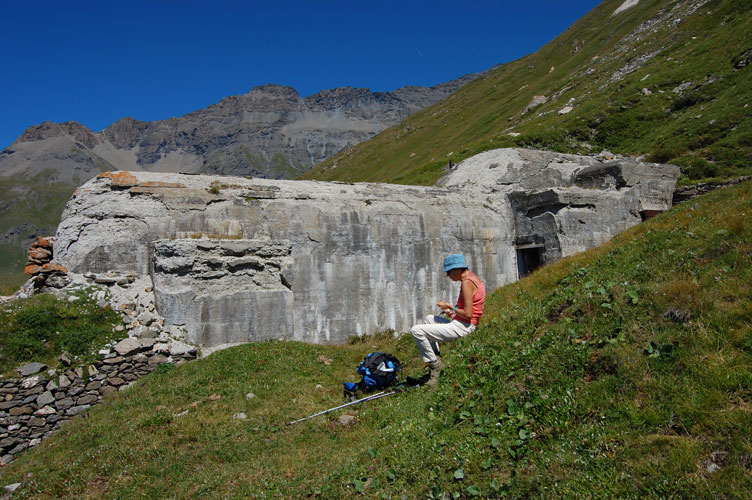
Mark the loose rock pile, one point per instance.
(40, 267)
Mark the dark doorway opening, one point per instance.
(529, 258)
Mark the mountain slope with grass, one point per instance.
(622, 372)
(666, 79)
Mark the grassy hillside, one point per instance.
(39, 203)
(623, 372)
(665, 79)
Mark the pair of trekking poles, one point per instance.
(378, 395)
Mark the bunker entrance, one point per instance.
(529, 258)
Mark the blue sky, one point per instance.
(97, 61)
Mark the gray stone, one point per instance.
(9, 442)
(37, 389)
(347, 420)
(180, 348)
(147, 343)
(21, 410)
(107, 389)
(77, 410)
(37, 422)
(30, 399)
(30, 382)
(45, 399)
(115, 381)
(31, 369)
(19, 448)
(93, 386)
(47, 410)
(129, 346)
(149, 334)
(10, 488)
(88, 399)
(64, 404)
(53, 419)
(145, 318)
(105, 280)
(157, 359)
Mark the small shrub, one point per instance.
(697, 168)
(663, 154)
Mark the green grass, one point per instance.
(622, 372)
(41, 327)
(36, 205)
(706, 130)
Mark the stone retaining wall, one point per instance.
(34, 407)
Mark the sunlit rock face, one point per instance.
(236, 260)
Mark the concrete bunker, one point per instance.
(236, 260)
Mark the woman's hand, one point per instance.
(443, 304)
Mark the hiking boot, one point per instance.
(434, 368)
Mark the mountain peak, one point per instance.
(48, 129)
(273, 90)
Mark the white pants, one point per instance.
(437, 329)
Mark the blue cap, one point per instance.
(454, 261)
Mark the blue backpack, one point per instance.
(379, 370)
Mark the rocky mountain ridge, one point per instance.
(270, 132)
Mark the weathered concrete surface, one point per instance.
(566, 203)
(363, 257)
(321, 262)
(243, 282)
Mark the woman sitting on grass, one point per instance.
(460, 320)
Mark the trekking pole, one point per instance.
(378, 395)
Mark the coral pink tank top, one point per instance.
(479, 298)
